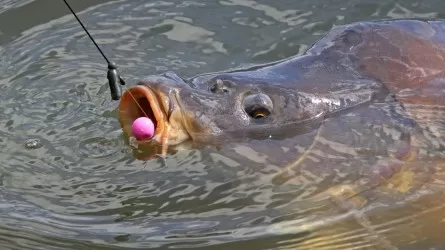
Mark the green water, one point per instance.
(68, 180)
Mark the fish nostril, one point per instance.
(221, 86)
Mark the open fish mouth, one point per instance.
(141, 101)
(157, 100)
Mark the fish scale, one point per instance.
(431, 121)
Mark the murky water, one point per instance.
(68, 180)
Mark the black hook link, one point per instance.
(114, 80)
(113, 76)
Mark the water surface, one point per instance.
(69, 180)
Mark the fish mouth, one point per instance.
(141, 101)
(159, 106)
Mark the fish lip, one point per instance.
(136, 98)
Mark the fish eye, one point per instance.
(258, 106)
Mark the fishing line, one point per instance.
(114, 79)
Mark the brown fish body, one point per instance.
(380, 74)
(353, 64)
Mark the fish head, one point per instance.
(230, 105)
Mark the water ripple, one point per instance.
(69, 180)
